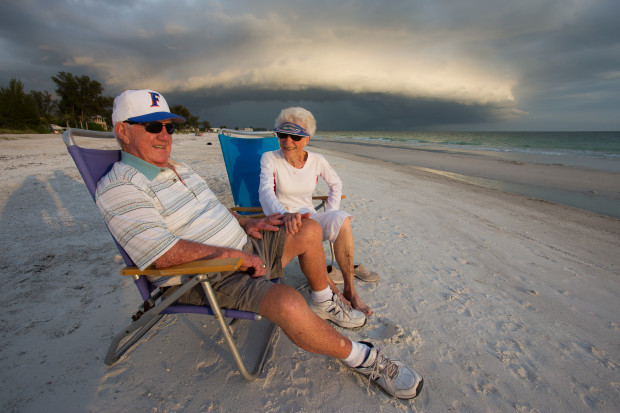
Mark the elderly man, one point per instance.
(164, 214)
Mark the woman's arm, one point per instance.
(333, 182)
(266, 190)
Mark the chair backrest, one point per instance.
(242, 152)
(93, 164)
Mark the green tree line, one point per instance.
(79, 100)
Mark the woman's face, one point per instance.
(290, 146)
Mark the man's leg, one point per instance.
(286, 307)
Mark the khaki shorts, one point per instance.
(238, 290)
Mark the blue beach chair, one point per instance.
(94, 164)
(242, 152)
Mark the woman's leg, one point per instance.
(344, 249)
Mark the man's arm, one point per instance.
(252, 226)
(185, 251)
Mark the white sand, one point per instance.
(502, 303)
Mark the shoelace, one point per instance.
(345, 308)
(383, 365)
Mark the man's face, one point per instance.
(153, 148)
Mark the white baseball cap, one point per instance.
(143, 105)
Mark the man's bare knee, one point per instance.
(281, 301)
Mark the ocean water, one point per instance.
(604, 145)
(593, 150)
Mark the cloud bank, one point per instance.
(359, 64)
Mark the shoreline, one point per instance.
(535, 176)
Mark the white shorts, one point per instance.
(330, 222)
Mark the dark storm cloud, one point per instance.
(532, 64)
(333, 110)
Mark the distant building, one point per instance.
(56, 128)
(100, 121)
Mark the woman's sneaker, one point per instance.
(336, 311)
(393, 376)
(335, 274)
(365, 274)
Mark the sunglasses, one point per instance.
(155, 127)
(293, 137)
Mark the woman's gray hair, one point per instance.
(300, 116)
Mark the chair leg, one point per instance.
(233, 324)
(331, 248)
(229, 340)
(134, 334)
(134, 331)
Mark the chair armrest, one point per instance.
(247, 209)
(194, 267)
(325, 197)
(258, 210)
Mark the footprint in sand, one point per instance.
(384, 330)
(375, 243)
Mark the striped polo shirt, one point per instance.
(148, 209)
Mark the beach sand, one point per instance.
(501, 302)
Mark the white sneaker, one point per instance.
(393, 376)
(336, 311)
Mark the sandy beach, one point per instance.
(501, 302)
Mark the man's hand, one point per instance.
(292, 221)
(253, 265)
(253, 227)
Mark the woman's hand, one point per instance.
(271, 222)
(292, 221)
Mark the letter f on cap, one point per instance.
(154, 99)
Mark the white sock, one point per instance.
(323, 295)
(359, 352)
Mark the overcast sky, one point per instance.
(357, 65)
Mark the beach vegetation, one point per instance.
(81, 99)
(191, 121)
(95, 126)
(204, 125)
(46, 104)
(17, 108)
(78, 103)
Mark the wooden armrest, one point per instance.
(247, 209)
(194, 267)
(324, 197)
(259, 211)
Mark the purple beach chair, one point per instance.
(94, 164)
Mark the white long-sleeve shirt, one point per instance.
(284, 188)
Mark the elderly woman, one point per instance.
(287, 181)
